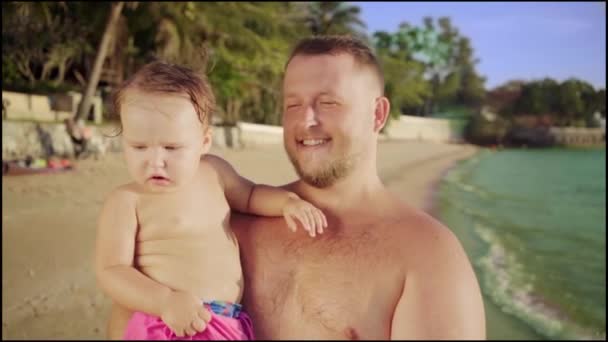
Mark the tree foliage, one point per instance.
(243, 46)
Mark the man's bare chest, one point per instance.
(343, 288)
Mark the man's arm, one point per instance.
(115, 246)
(441, 297)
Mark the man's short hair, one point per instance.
(339, 44)
(166, 78)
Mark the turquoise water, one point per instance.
(533, 223)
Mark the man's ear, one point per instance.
(207, 140)
(381, 112)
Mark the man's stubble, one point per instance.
(328, 173)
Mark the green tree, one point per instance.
(531, 101)
(249, 64)
(41, 41)
(448, 60)
(241, 46)
(404, 83)
(598, 102)
(334, 17)
(549, 93)
(471, 91)
(592, 101)
(571, 103)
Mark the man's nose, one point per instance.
(310, 116)
(157, 157)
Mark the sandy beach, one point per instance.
(48, 229)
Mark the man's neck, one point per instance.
(345, 194)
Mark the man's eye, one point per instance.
(292, 106)
(328, 103)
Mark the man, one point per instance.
(382, 269)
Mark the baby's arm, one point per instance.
(116, 275)
(245, 196)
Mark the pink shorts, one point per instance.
(142, 326)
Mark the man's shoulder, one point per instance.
(215, 164)
(441, 297)
(425, 236)
(214, 160)
(433, 254)
(410, 219)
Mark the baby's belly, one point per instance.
(208, 267)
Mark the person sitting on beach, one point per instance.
(382, 269)
(165, 249)
(79, 134)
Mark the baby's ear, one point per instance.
(207, 140)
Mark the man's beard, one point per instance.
(327, 174)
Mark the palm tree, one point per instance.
(241, 46)
(85, 103)
(329, 17)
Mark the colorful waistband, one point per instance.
(224, 308)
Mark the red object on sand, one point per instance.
(12, 168)
(53, 164)
(66, 163)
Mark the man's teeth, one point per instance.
(312, 142)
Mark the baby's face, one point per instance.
(163, 139)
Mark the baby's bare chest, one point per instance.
(187, 213)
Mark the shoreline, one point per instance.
(516, 297)
(499, 324)
(430, 205)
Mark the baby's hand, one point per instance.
(311, 218)
(185, 314)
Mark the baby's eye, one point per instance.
(139, 147)
(171, 148)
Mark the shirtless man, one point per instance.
(382, 269)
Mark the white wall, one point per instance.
(407, 127)
(422, 129)
(45, 108)
(255, 134)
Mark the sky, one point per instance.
(514, 40)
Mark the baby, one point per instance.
(164, 248)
